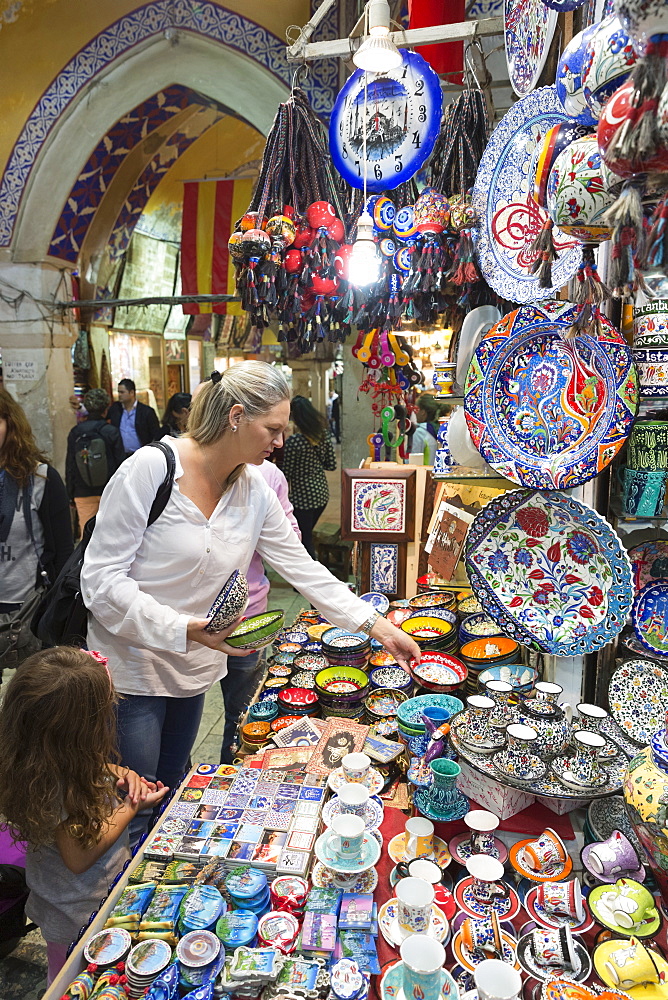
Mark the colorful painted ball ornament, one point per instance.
(577, 195)
(383, 214)
(643, 18)
(616, 113)
(609, 58)
(304, 235)
(249, 221)
(292, 261)
(341, 260)
(235, 246)
(388, 247)
(281, 229)
(320, 214)
(432, 212)
(324, 286)
(462, 214)
(569, 79)
(403, 225)
(256, 243)
(556, 139)
(335, 230)
(403, 258)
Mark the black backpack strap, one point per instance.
(27, 516)
(165, 488)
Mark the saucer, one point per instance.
(388, 922)
(367, 857)
(561, 770)
(391, 983)
(421, 802)
(503, 762)
(601, 912)
(637, 876)
(506, 909)
(541, 916)
(447, 881)
(396, 846)
(493, 739)
(648, 991)
(460, 848)
(469, 959)
(374, 780)
(323, 878)
(555, 874)
(546, 972)
(373, 812)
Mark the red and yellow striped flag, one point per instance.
(210, 209)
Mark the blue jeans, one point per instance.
(155, 737)
(238, 687)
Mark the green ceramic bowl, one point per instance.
(341, 682)
(257, 631)
(409, 716)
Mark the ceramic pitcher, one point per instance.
(445, 799)
(646, 795)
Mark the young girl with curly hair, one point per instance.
(60, 791)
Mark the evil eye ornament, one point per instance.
(404, 227)
(383, 214)
(388, 247)
(403, 258)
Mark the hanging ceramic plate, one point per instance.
(509, 218)
(562, 6)
(545, 411)
(638, 696)
(528, 29)
(649, 562)
(650, 617)
(550, 571)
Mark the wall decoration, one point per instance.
(340, 737)
(529, 27)
(384, 567)
(378, 504)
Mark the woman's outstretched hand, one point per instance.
(214, 640)
(403, 648)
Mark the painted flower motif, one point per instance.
(580, 547)
(595, 596)
(541, 597)
(533, 521)
(617, 41)
(573, 206)
(498, 561)
(557, 620)
(523, 557)
(524, 421)
(543, 378)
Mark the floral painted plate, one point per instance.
(638, 697)
(545, 411)
(388, 923)
(509, 218)
(649, 562)
(550, 571)
(323, 878)
(529, 26)
(650, 617)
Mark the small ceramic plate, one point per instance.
(378, 601)
(601, 911)
(504, 762)
(396, 850)
(374, 780)
(388, 922)
(460, 848)
(367, 857)
(648, 991)
(556, 874)
(561, 768)
(391, 983)
(373, 812)
(506, 909)
(323, 878)
(108, 946)
(532, 968)
(469, 959)
(545, 919)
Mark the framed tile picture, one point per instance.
(378, 504)
(382, 568)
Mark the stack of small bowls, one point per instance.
(412, 731)
(383, 703)
(477, 626)
(431, 581)
(342, 691)
(424, 603)
(346, 649)
(431, 633)
(440, 673)
(478, 654)
(468, 605)
(298, 701)
(390, 676)
(254, 736)
(263, 711)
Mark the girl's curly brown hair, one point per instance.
(57, 739)
(20, 454)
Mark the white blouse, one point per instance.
(142, 585)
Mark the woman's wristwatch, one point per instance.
(369, 623)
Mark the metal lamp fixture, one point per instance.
(364, 264)
(377, 53)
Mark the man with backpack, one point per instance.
(94, 452)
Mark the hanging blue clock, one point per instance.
(401, 113)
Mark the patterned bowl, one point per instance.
(282, 659)
(313, 662)
(394, 677)
(339, 641)
(439, 672)
(519, 675)
(341, 682)
(230, 603)
(262, 711)
(443, 613)
(297, 698)
(425, 629)
(480, 653)
(432, 599)
(468, 606)
(383, 703)
(257, 631)
(477, 626)
(410, 713)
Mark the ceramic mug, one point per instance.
(547, 691)
(584, 763)
(422, 958)
(353, 799)
(349, 836)
(634, 904)
(423, 868)
(419, 841)
(551, 946)
(631, 965)
(562, 898)
(483, 934)
(648, 446)
(613, 857)
(545, 852)
(644, 492)
(486, 873)
(415, 898)
(590, 716)
(520, 741)
(482, 825)
(496, 980)
(355, 767)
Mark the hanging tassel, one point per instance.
(639, 138)
(544, 247)
(464, 269)
(656, 254)
(590, 294)
(625, 217)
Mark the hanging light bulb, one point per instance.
(364, 262)
(378, 53)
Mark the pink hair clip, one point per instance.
(104, 660)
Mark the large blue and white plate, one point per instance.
(550, 571)
(529, 26)
(650, 617)
(509, 218)
(546, 411)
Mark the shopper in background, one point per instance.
(94, 452)
(175, 417)
(424, 435)
(35, 530)
(148, 590)
(137, 422)
(308, 452)
(334, 415)
(60, 791)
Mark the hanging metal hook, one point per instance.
(299, 77)
(469, 65)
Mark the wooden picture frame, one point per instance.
(383, 568)
(378, 505)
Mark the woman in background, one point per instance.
(175, 417)
(308, 453)
(424, 435)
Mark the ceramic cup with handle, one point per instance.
(348, 836)
(486, 873)
(422, 959)
(545, 853)
(554, 947)
(631, 964)
(419, 841)
(633, 905)
(415, 898)
(483, 935)
(496, 980)
(482, 825)
(356, 767)
(613, 857)
(561, 898)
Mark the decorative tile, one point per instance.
(384, 567)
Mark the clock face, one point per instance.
(399, 113)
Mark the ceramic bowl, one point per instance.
(477, 626)
(468, 606)
(488, 652)
(425, 629)
(519, 675)
(340, 642)
(341, 681)
(409, 714)
(383, 703)
(262, 711)
(230, 603)
(313, 662)
(297, 698)
(382, 659)
(283, 659)
(440, 673)
(394, 677)
(257, 631)
(432, 599)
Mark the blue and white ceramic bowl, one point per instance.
(230, 603)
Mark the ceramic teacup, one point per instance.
(496, 980)
(633, 906)
(590, 716)
(584, 763)
(423, 868)
(355, 767)
(554, 947)
(422, 958)
(486, 873)
(521, 741)
(419, 841)
(500, 692)
(631, 964)
(547, 691)
(482, 825)
(545, 853)
(562, 898)
(353, 799)
(415, 898)
(613, 857)
(348, 836)
(483, 935)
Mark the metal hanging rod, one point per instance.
(151, 300)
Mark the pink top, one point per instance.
(258, 584)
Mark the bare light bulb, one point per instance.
(364, 262)
(378, 53)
